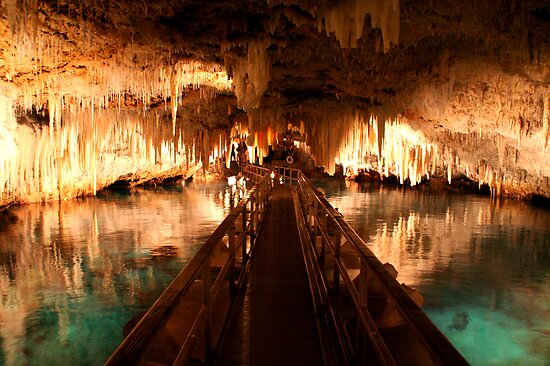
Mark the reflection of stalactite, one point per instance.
(410, 239)
(12, 319)
(74, 251)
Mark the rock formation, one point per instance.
(95, 90)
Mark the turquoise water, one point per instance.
(483, 266)
(73, 273)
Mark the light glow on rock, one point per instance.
(361, 142)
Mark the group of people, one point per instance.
(240, 154)
(284, 149)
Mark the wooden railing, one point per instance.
(367, 315)
(286, 174)
(187, 320)
(364, 315)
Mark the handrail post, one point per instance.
(308, 204)
(336, 272)
(315, 223)
(207, 302)
(245, 253)
(265, 188)
(252, 221)
(313, 219)
(290, 176)
(257, 215)
(232, 253)
(322, 255)
(363, 296)
(363, 284)
(259, 202)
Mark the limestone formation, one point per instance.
(91, 91)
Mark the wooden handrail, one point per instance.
(287, 173)
(319, 213)
(133, 348)
(316, 219)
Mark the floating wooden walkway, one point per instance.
(273, 322)
(284, 280)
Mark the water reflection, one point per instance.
(482, 266)
(73, 273)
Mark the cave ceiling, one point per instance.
(306, 64)
(458, 68)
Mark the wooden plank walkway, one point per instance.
(273, 322)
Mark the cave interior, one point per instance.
(95, 91)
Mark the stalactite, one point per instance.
(345, 20)
(546, 121)
(174, 94)
(251, 77)
(83, 157)
(39, 161)
(86, 143)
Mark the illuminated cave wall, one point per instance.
(465, 92)
(76, 116)
(91, 94)
(73, 146)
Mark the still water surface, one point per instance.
(483, 267)
(72, 274)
